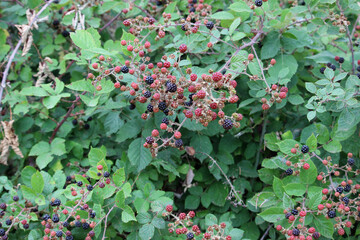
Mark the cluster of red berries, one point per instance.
(197, 10)
(182, 224)
(295, 170)
(300, 232)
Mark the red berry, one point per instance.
(209, 45)
(284, 89)
(191, 214)
(292, 218)
(182, 216)
(306, 166)
(213, 105)
(126, 23)
(155, 133)
(265, 106)
(130, 48)
(282, 95)
(228, 237)
(274, 87)
(117, 85)
(341, 231)
(288, 163)
(311, 230)
(163, 126)
(193, 77)
(182, 48)
(147, 44)
(189, 114)
(278, 227)
(65, 211)
(123, 42)
(198, 112)
(91, 76)
(99, 167)
(302, 213)
(325, 191)
(95, 65)
(233, 83)
(201, 94)
(293, 150)
(102, 58)
(337, 58)
(217, 76)
(319, 178)
(98, 87)
(161, 34)
(177, 134)
(250, 57)
(273, 62)
(167, 64)
(207, 235)
(169, 208)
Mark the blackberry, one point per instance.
(289, 171)
(328, 64)
(2, 232)
(346, 200)
(305, 149)
(56, 22)
(99, 174)
(65, 33)
(294, 212)
(358, 68)
(150, 108)
(5, 237)
(322, 70)
(26, 226)
(69, 237)
(55, 218)
(74, 122)
(3, 206)
(59, 233)
(149, 80)
(347, 188)
(8, 222)
(2, 213)
(339, 189)
(171, 87)
(158, 3)
(194, 1)
(92, 214)
(124, 69)
(89, 119)
(79, 183)
(85, 226)
(147, 94)
(149, 140)
(179, 143)
(287, 215)
(165, 120)
(316, 235)
(228, 124)
(162, 106)
(77, 224)
(188, 104)
(91, 233)
(86, 126)
(210, 25)
(46, 217)
(90, 187)
(68, 178)
(16, 198)
(341, 60)
(296, 232)
(183, 27)
(56, 202)
(331, 214)
(132, 106)
(258, 3)
(190, 235)
(351, 161)
(106, 174)
(192, 9)
(333, 67)
(358, 75)
(166, 112)
(66, 224)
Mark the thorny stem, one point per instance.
(106, 218)
(262, 69)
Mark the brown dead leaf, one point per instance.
(10, 140)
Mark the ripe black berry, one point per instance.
(106, 174)
(305, 149)
(3, 206)
(147, 94)
(192, 9)
(91, 233)
(56, 22)
(228, 124)
(179, 143)
(2, 213)
(2, 232)
(183, 27)
(339, 189)
(333, 67)
(65, 33)
(190, 235)
(358, 68)
(351, 161)
(150, 108)
(26, 226)
(132, 106)
(124, 69)
(89, 119)
(56, 202)
(77, 224)
(162, 106)
(79, 183)
(85, 226)
(346, 200)
(86, 126)
(68, 178)
(8, 222)
(74, 122)
(69, 237)
(55, 218)
(316, 235)
(66, 224)
(149, 140)
(258, 3)
(16, 198)
(90, 187)
(294, 212)
(92, 214)
(46, 217)
(287, 215)
(322, 70)
(210, 25)
(165, 120)
(171, 87)
(149, 80)
(331, 214)
(347, 188)
(166, 112)
(341, 60)
(296, 232)
(289, 171)
(328, 64)
(59, 233)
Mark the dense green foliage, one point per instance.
(65, 126)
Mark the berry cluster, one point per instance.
(182, 224)
(295, 167)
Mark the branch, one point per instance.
(11, 58)
(105, 222)
(266, 232)
(110, 22)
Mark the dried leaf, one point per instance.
(10, 140)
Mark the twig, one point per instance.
(65, 117)
(110, 22)
(261, 68)
(266, 232)
(144, 11)
(105, 222)
(263, 131)
(11, 58)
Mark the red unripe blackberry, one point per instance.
(306, 166)
(250, 57)
(348, 224)
(131, 71)
(201, 94)
(98, 88)
(217, 76)
(95, 65)
(292, 218)
(273, 62)
(319, 178)
(265, 106)
(282, 95)
(182, 48)
(155, 133)
(161, 34)
(279, 227)
(192, 88)
(193, 77)
(99, 167)
(288, 163)
(221, 114)
(177, 134)
(163, 126)
(337, 58)
(293, 150)
(147, 44)
(274, 87)
(178, 231)
(169, 208)
(123, 42)
(102, 58)
(167, 64)
(325, 191)
(302, 213)
(228, 237)
(189, 114)
(130, 48)
(117, 85)
(194, 30)
(341, 231)
(141, 53)
(284, 89)
(198, 112)
(207, 235)
(213, 105)
(233, 83)
(126, 23)
(209, 45)
(159, 64)
(311, 230)
(234, 99)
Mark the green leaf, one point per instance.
(210, 219)
(273, 214)
(58, 147)
(128, 214)
(286, 145)
(329, 73)
(324, 226)
(222, 15)
(234, 25)
(201, 143)
(295, 189)
(236, 233)
(44, 159)
(112, 123)
(120, 199)
(314, 196)
(34, 91)
(333, 147)
(271, 45)
(82, 85)
(119, 177)
(296, 99)
(146, 232)
(192, 202)
(308, 176)
(311, 115)
(310, 87)
(288, 203)
(50, 102)
(312, 143)
(37, 182)
(138, 155)
(28, 193)
(86, 39)
(278, 187)
(39, 148)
